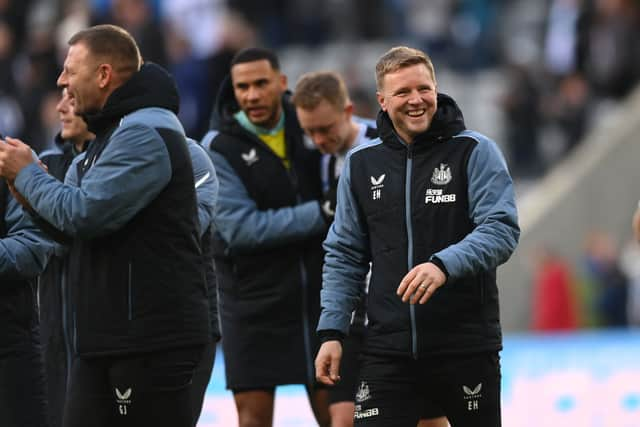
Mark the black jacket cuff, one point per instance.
(438, 262)
(330, 335)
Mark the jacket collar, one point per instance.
(447, 122)
(151, 86)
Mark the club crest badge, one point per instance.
(363, 392)
(441, 175)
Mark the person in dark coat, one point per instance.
(128, 205)
(267, 244)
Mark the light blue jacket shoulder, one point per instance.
(153, 117)
(492, 209)
(207, 139)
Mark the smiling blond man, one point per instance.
(431, 206)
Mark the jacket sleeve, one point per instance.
(245, 228)
(492, 209)
(208, 138)
(346, 262)
(24, 251)
(129, 174)
(62, 240)
(206, 183)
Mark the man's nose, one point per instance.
(414, 97)
(62, 80)
(253, 93)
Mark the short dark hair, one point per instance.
(251, 54)
(112, 43)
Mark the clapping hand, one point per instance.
(15, 155)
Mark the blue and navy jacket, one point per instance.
(266, 215)
(129, 204)
(331, 169)
(52, 290)
(23, 255)
(447, 198)
(269, 227)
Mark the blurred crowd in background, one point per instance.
(560, 63)
(601, 291)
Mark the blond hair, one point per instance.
(401, 57)
(313, 87)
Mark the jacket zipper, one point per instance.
(66, 335)
(407, 196)
(293, 179)
(130, 296)
(75, 331)
(309, 366)
(305, 324)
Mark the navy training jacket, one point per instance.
(447, 197)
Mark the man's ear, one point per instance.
(283, 82)
(348, 110)
(381, 100)
(105, 75)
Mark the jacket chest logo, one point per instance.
(250, 157)
(377, 186)
(437, 196)
(441, 175)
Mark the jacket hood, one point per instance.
(225, 105)
(447, 122)
(62, 144)
(152, 86)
